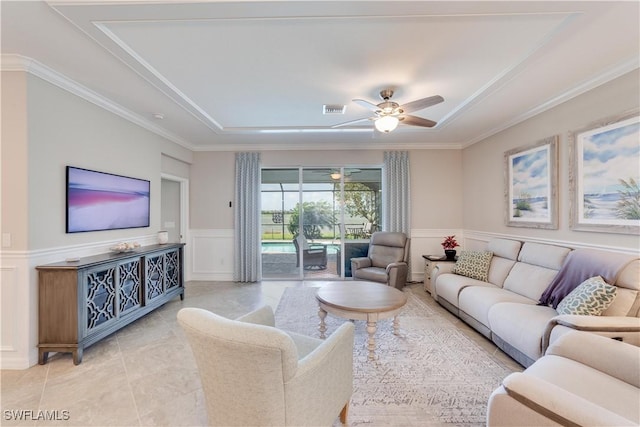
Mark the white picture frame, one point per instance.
(531, 185)
(604, 175)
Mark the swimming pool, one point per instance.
(289, 248)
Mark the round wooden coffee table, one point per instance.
(360, 300)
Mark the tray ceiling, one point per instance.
(244, 75)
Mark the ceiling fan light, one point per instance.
(386, 124)
(335, 175)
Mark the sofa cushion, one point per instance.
(448, 286)
(477, 300)
(529, 280)
(623, 304)
(629, 277)
(504, 248)
(474, 264)
(628, 283)
(590, 298)
(500, 269)
(548, 256)
(521, 325)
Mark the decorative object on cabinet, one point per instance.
(604, 182)
(124, 247)
(163, 237)
(531, 185)
(82, 302)
(449, 244)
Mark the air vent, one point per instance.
(333, 109)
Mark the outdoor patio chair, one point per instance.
(314, 256)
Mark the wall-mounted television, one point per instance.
(104, 201)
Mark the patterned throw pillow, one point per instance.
(590, 298)
(474, 264)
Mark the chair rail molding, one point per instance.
(427, 241)
(475, 237)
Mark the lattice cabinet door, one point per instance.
(171, 270)
(129, 286)
(154, 276)
(100, 297)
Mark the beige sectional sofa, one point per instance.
(583, 379)
(505, 309)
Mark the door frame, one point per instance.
(184, 212)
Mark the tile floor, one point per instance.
(144, 374)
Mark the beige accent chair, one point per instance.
(583, 379)
(254, 374)
(387, 260)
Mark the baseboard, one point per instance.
(212, 277)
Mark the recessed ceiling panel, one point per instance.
(249, 74)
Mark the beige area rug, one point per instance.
(429, 375)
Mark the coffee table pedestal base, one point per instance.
(370, 318)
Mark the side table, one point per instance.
(430, 262)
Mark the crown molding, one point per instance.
(12, 62)
(613, 73)
(332, 146)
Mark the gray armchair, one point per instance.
(254, 374)
(387, 260)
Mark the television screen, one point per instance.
(103, 201)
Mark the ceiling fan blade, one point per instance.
(419, 104)
(417, 121)
(352, 122)
(366, 104)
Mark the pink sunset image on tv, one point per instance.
(102, 201)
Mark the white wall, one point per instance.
(44, 129)
(483, 171)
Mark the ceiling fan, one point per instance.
(388, 114)
(335, 173)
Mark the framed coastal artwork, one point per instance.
(531, 185)
(604, 175)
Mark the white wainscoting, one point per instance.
(211, 255)
(476, 240)
(19, 297)
(19, 311)
(8, 291)
(211, 252)
(428, 242)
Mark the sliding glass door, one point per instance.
(314, 220)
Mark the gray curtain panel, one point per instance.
(397, 208)
(247, 257)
